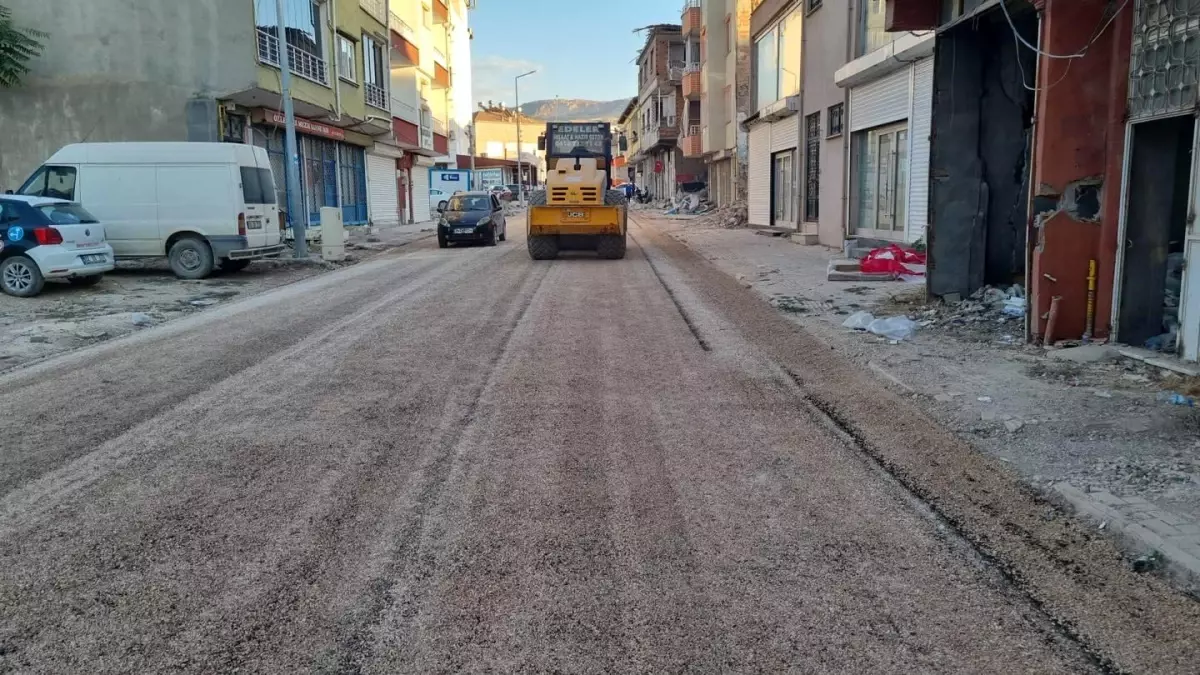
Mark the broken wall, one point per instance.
(1078, 152)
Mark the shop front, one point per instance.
(332, 166)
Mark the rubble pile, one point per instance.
(991, 314)
(732, 217)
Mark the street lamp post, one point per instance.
(517, 95)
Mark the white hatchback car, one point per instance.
(45, 238)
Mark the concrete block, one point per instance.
(1172, 519)
(833, 274)
(806, 239)
(1106, 497)
(844, 265)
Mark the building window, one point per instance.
(777, 61)
(426, 16)
(783, 190)
(814, 5)
(373, 73)
(837, 115)
(872, 27)
(306, 48)
(812, 167)
(345, 59)
(883, 178)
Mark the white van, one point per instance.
(202, 205)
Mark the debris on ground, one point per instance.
(731, 217)
(894, 260)
(141, 319)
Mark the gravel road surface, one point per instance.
(463, 460)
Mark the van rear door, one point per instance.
(262, 213)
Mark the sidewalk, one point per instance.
(380, 238)
(1081, 426)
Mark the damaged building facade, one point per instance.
(1063, 157)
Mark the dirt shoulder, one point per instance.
(141, 294)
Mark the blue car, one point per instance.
(471, 218)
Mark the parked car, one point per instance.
(45, 238)
(471, 217)
(501, 192)
(436, 197)
(202, 205)
(515, 191)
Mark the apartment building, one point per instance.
(659, 163)
(497, 136)
(430, 94)
(717, 35)
(890, 85)
(773, 168)
(209, 71)
(827, 47)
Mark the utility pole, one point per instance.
(520, 173)
(471, 148)
(290, 149)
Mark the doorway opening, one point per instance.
(1156, 232)
(981, 152)
(783, 189)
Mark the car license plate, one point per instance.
(93, 259)
(253, 224)
(463, 230)
(576, 215)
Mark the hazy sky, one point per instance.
(580, 48)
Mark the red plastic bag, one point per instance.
(894, 260)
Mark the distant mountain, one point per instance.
(575, 109)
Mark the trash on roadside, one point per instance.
(1014, 306)
(1103, 394)
(203, 302)
(894, 260)
(858, 320)
(893, 327)
(984, 399)
(1147, 563)
(140, 319)
(1174, 398)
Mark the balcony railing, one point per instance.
(693, 67)
(376, 95)
(304, 64)
(675, 70)
(402, 27)
(693, 130)
(439, 56)
(426, 138)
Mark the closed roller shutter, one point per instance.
(785, 134)
(420, 192)
(381, 190)
(758, 183)
(920, 128)
(880, 102)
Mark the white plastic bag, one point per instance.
(859, 320)
(893, 327)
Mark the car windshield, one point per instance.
(470, 203)
(67, 214)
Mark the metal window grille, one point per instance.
(304, 63)
(812, 166)
(1164, 66)
(837, 119)
(813, 4)
(352, 184)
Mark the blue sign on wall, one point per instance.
(451, 177)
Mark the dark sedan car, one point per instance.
(471, 217)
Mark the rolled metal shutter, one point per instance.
(880, 102)
(785, 134)
(758, 180)
(382, 196)
(420, 192)
(920, 128)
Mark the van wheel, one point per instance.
(228, 265)
(21, 277)
(191, 258)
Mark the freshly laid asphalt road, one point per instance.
(463, 460)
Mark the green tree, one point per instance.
(17, 46)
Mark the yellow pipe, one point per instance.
(1091, 301)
